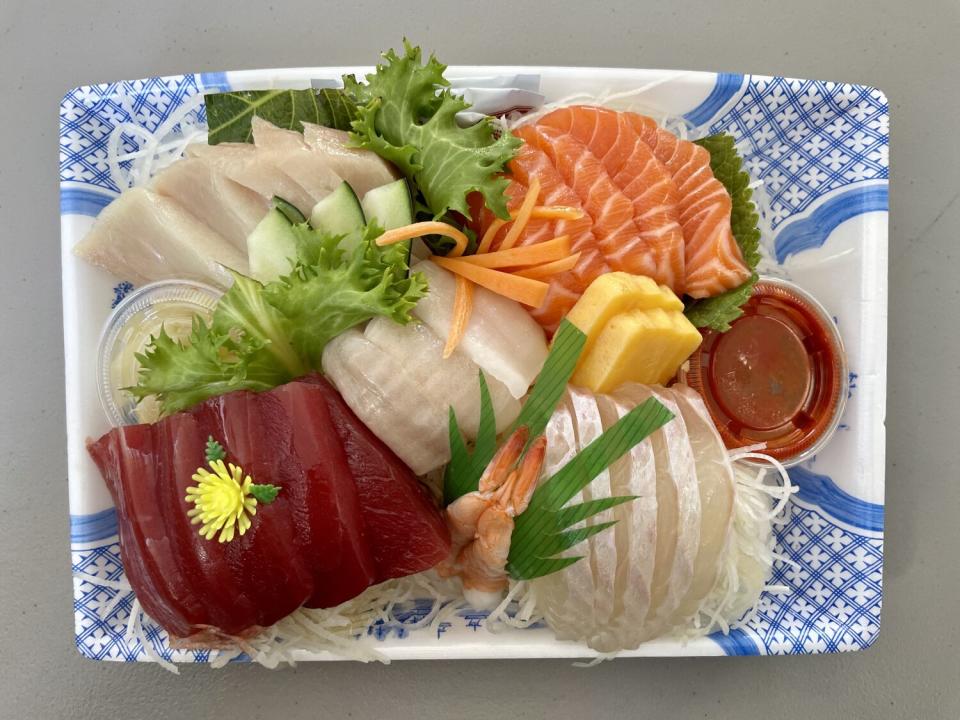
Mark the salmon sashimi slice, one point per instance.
(713, 261)
(643, 179)
(608, 208)
(565, 288)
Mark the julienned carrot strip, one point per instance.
(523, 290)
(539, 212)
(547, 269)
(523, 215)
(487, 240)
(555, 212)
(408, 232)
(462, 308)
(527, 255)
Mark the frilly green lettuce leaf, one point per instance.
(263, 336)
(407, 115)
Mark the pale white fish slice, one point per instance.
(602, 546)
(385, 400)
(565, 598)
(226, 206)
(363, 169)
(717, 495)
(252, 168)
(501, 337)
(142, 236)
(289, 151)
(451, 382)
(268, 136)
(636, 534)
(678, 522)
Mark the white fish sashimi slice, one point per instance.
(678, 508)
(717, 494)
(636, 532)
(142, 236)
(450, 382)
(268, 136)
(678, 456)
(251, 168)
(385, 399)
(565, 598)
(226, 206)
(363, 169)
(602, 546)
(501, 337)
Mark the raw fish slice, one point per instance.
(678, 510)
(610, 210)
(713, 261)
(565, 288)
(331, 524)
(288, 151)
(253, 169)
(142, 236)
(363, 169)
(602, 557)
(501, 337)
(636, 534)
(387, 401)
(717, 494)
(658, 250)
(228, 207)
(452, 382)
(406, 533)
(565, 598)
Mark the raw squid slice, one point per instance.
(602, 557)
(451, 382)
(142, 236)
(387, 401)
(678, 509)
(251, 168)
(363, 169)
(226, 206)
(501, 337)
(288, 151)
(565, 598)
(717, 494)
(635, 532)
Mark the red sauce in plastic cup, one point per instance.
(778, 376)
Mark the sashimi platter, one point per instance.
(425, 362)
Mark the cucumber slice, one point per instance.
(339, 213)
(390, 205)
(271, 247)
(290, 211)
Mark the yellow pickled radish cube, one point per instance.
(614, 293)
(642, 346)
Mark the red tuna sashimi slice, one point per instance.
(285, 437)
(406, 533)
(713, 259)
(193, 587)
(643, 179)
(310, 546)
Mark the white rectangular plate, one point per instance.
(819, 151)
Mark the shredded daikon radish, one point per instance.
(524, 596)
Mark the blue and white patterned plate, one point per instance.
(818, 152)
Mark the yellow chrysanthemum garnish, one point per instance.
(222, 499)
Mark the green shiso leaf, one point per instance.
(229, 114)
(719, 311)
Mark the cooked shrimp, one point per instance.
(481, 522)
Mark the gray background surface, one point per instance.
(909, 49)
